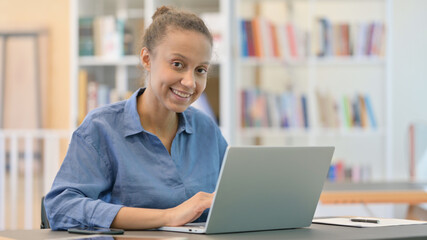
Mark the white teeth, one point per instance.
(181, 94)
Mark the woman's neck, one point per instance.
(155, 118)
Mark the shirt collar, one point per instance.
(132, 121)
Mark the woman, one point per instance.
(152, 160)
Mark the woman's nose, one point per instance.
(189, 80)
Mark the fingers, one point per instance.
(191, 209)
(203, 201)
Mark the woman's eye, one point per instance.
(177, 65)
(202, 70)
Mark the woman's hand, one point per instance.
(189, 210)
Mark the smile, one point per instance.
(181, 94)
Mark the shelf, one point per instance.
(363, 60)
(302, 132)
(286, 132)
(103, 61)
(354, 132)
(312, 61)
(254, 61)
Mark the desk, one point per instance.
(411, 193)
(381, 192)
(316, 231)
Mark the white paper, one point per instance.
(383, 222)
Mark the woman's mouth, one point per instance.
(181, 94)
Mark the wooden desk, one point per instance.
(381, 192)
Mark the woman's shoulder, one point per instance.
(102, 117)
(198, 117)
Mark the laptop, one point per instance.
(265, 188)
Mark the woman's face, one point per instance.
(177, 68)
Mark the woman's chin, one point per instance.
(178, 108)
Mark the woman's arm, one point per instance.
(144, 218)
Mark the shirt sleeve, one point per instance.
(79, 191)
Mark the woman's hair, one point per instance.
(165, 18)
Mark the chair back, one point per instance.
(44, 221)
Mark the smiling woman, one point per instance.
(152, 160)
(177, 70)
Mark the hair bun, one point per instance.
(160, 11)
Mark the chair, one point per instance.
(417, 149)
(44, 221)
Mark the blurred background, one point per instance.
(347, 73)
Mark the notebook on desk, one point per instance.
(265, 188)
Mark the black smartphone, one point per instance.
(95, 230)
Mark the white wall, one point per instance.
(409, 76)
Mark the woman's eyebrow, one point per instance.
(186, 58)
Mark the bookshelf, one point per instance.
(330, 55)
(106, 68)
(105, 36)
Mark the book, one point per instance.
(274, 41)
(283, 42)
(293, 48)
(92, 95)
(263, 38)
(363, 112)
(356, 112)
(256, 36)
(103, 95)
(132, 35)
(243, 114)
(370, 112)
(305, 110)
(86, 43)
(108, 33)
(260, 108)
(283, 110)
(244, 38)
(250, 39)
(347, 111)
(345, 39)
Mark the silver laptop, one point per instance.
(265, 188)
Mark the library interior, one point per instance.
(347, 74)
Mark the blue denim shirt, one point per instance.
(113, 162)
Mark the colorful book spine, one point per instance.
(250, 39)
(290, 30)
(263, 39)
(344, 39)
(340, 172)
(345, 112)
(244, 38)
(370, 111)
(305, 110)
(265, 109)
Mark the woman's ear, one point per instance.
(145, 59)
